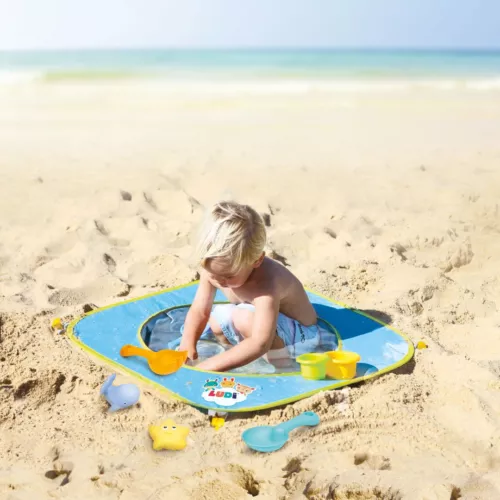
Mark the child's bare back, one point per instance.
(271, 277)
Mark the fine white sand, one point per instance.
(384, 201)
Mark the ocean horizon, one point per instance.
(326, 68)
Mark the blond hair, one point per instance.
(233, 232)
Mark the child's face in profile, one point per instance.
(219, 270)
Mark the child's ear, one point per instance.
(259, 262)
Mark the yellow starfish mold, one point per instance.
(168, 435)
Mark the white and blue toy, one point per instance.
(119, 396)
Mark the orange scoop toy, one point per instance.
(163, 362)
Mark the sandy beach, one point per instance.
(384, 200)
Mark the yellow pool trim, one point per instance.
(71, 336)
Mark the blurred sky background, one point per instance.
(71, 24)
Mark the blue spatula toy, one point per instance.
(267, 438)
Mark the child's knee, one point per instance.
(242, 321)
(214, 325)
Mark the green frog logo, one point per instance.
(211, 384)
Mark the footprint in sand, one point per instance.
(62, 246)
(272, 209)
(462, 257)
(374, 462)
(125, 195)
(293, 466)
(161, 270)
(267, 219)
(175, 202)
(25, 388)
(280, 258)
(40, 390)
(96, 291)
(231, 478)
(195, 204)
(330, 232)
(103, 231)
(63, 469)
(399, 250)
(100, 227)
(110, 262)
(149, 200)
(149, 224)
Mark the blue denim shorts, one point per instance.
(297, 338)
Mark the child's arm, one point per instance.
(197, 316)
(249, 349)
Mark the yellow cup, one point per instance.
(341, 365)
(313, 365)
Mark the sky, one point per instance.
(70, 24)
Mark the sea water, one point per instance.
(262, 71)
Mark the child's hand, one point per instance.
(207, 365)
(192, 354)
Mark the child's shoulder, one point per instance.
(275, 268)
(274, 276)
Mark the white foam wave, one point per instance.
(485, 84)
(13, 77)
(261, 86)
(301, 87)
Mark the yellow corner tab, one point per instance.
(217, 423)
(56, 324)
